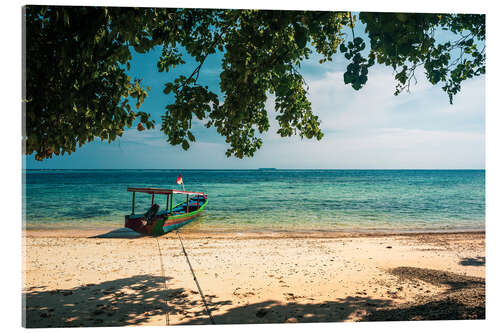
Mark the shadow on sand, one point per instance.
(105, 304)
(122, 302)
(293, 312)
(133, 300)
(477, 261)
(121, 233)
(436, 277)
(463, 299)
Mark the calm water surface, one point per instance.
(269, 200)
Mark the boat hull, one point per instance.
(162, 224)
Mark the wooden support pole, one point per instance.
(187, 203)
(133, 203)
(152, 199)
(167, 202)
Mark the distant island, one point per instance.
(266, 169)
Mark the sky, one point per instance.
(366, 129)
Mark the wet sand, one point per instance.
(102, 278)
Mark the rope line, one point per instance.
(196, 280)
(167, 318)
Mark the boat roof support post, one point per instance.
(187, 203)
(133, 203)
(152, 199)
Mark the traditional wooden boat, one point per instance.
(158, 222)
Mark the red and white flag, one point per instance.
(179, 181)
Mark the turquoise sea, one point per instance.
(266, 200)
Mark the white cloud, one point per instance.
(372, 128)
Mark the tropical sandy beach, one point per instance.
(95, 278)
(309, 174)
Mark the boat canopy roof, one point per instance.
(151, 190)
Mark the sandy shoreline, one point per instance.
(117, 280)
(106, 232)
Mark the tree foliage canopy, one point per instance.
(77, 87)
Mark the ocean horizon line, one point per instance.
(262, 169)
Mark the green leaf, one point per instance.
(300, 37)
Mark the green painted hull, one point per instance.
(164, 222)
(173, 222)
